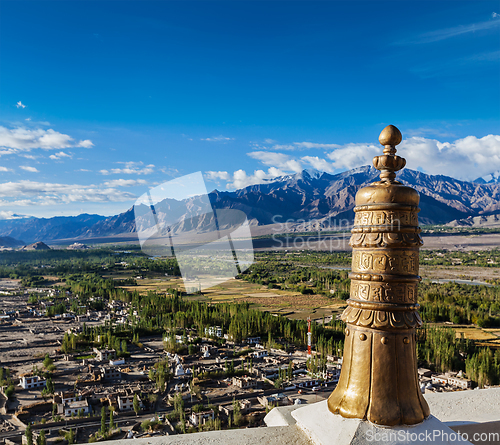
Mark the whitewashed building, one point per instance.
(104, 354)
(34, 381)
(260, 354)
(126, 403)
(202, 417)
(75, 408)
(213, 331)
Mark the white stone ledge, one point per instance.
(463, 407)
(278, 435)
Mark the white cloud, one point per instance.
(29, 169)
(442, 34)
(294, 146)
(310, 145)
(241, 179)
(353, 155)
(40, 193)
(124, 182)
(87, 143)
(28, 119)
(20, 105)
(5, 169)
(319, 163)
(20, 139)
(7, 214)
(278, 160)
(214, 176)
(131, 168)
(286, 147)
(170, 171)
(218, 138)
(466, 159)
(60, 155)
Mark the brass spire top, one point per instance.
(389, 163)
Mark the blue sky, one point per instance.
(100, 101)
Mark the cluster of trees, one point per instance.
(6, 381)
(311, 257)
(483, 367)
(281, 274)
(440, 230)
(460, 303)
(316, 364)
(40, 440)
(441, 350)
(480, 258)
(59, 308)
(160, 374)
(70, 342)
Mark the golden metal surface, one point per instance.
(379, 379)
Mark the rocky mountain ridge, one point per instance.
(326, 199)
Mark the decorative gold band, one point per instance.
(395, 262)
(385, 292)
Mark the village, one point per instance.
(141, 389)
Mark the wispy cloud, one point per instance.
(215, 176)
(20, 105)
(279, 160)
(217, 138)
(319, 163)
(87, 143)
(170, 171)
(447, 33)
(467, 158)
(7, 214)
(29, 169)
(240, 179)
(131, 168)
(428, 131)
(294, 146)
(60, 155)
(310, 145)
(125, 182)
(5, 169)
(21, 139)
(43, 193)
(456, 66)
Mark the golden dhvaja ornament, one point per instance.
(379, 379)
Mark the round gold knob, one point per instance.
(384, 340)
(406, 340)
(390, 136)
(362, 337)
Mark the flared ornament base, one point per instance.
(379, 382)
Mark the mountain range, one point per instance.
(307, 196)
